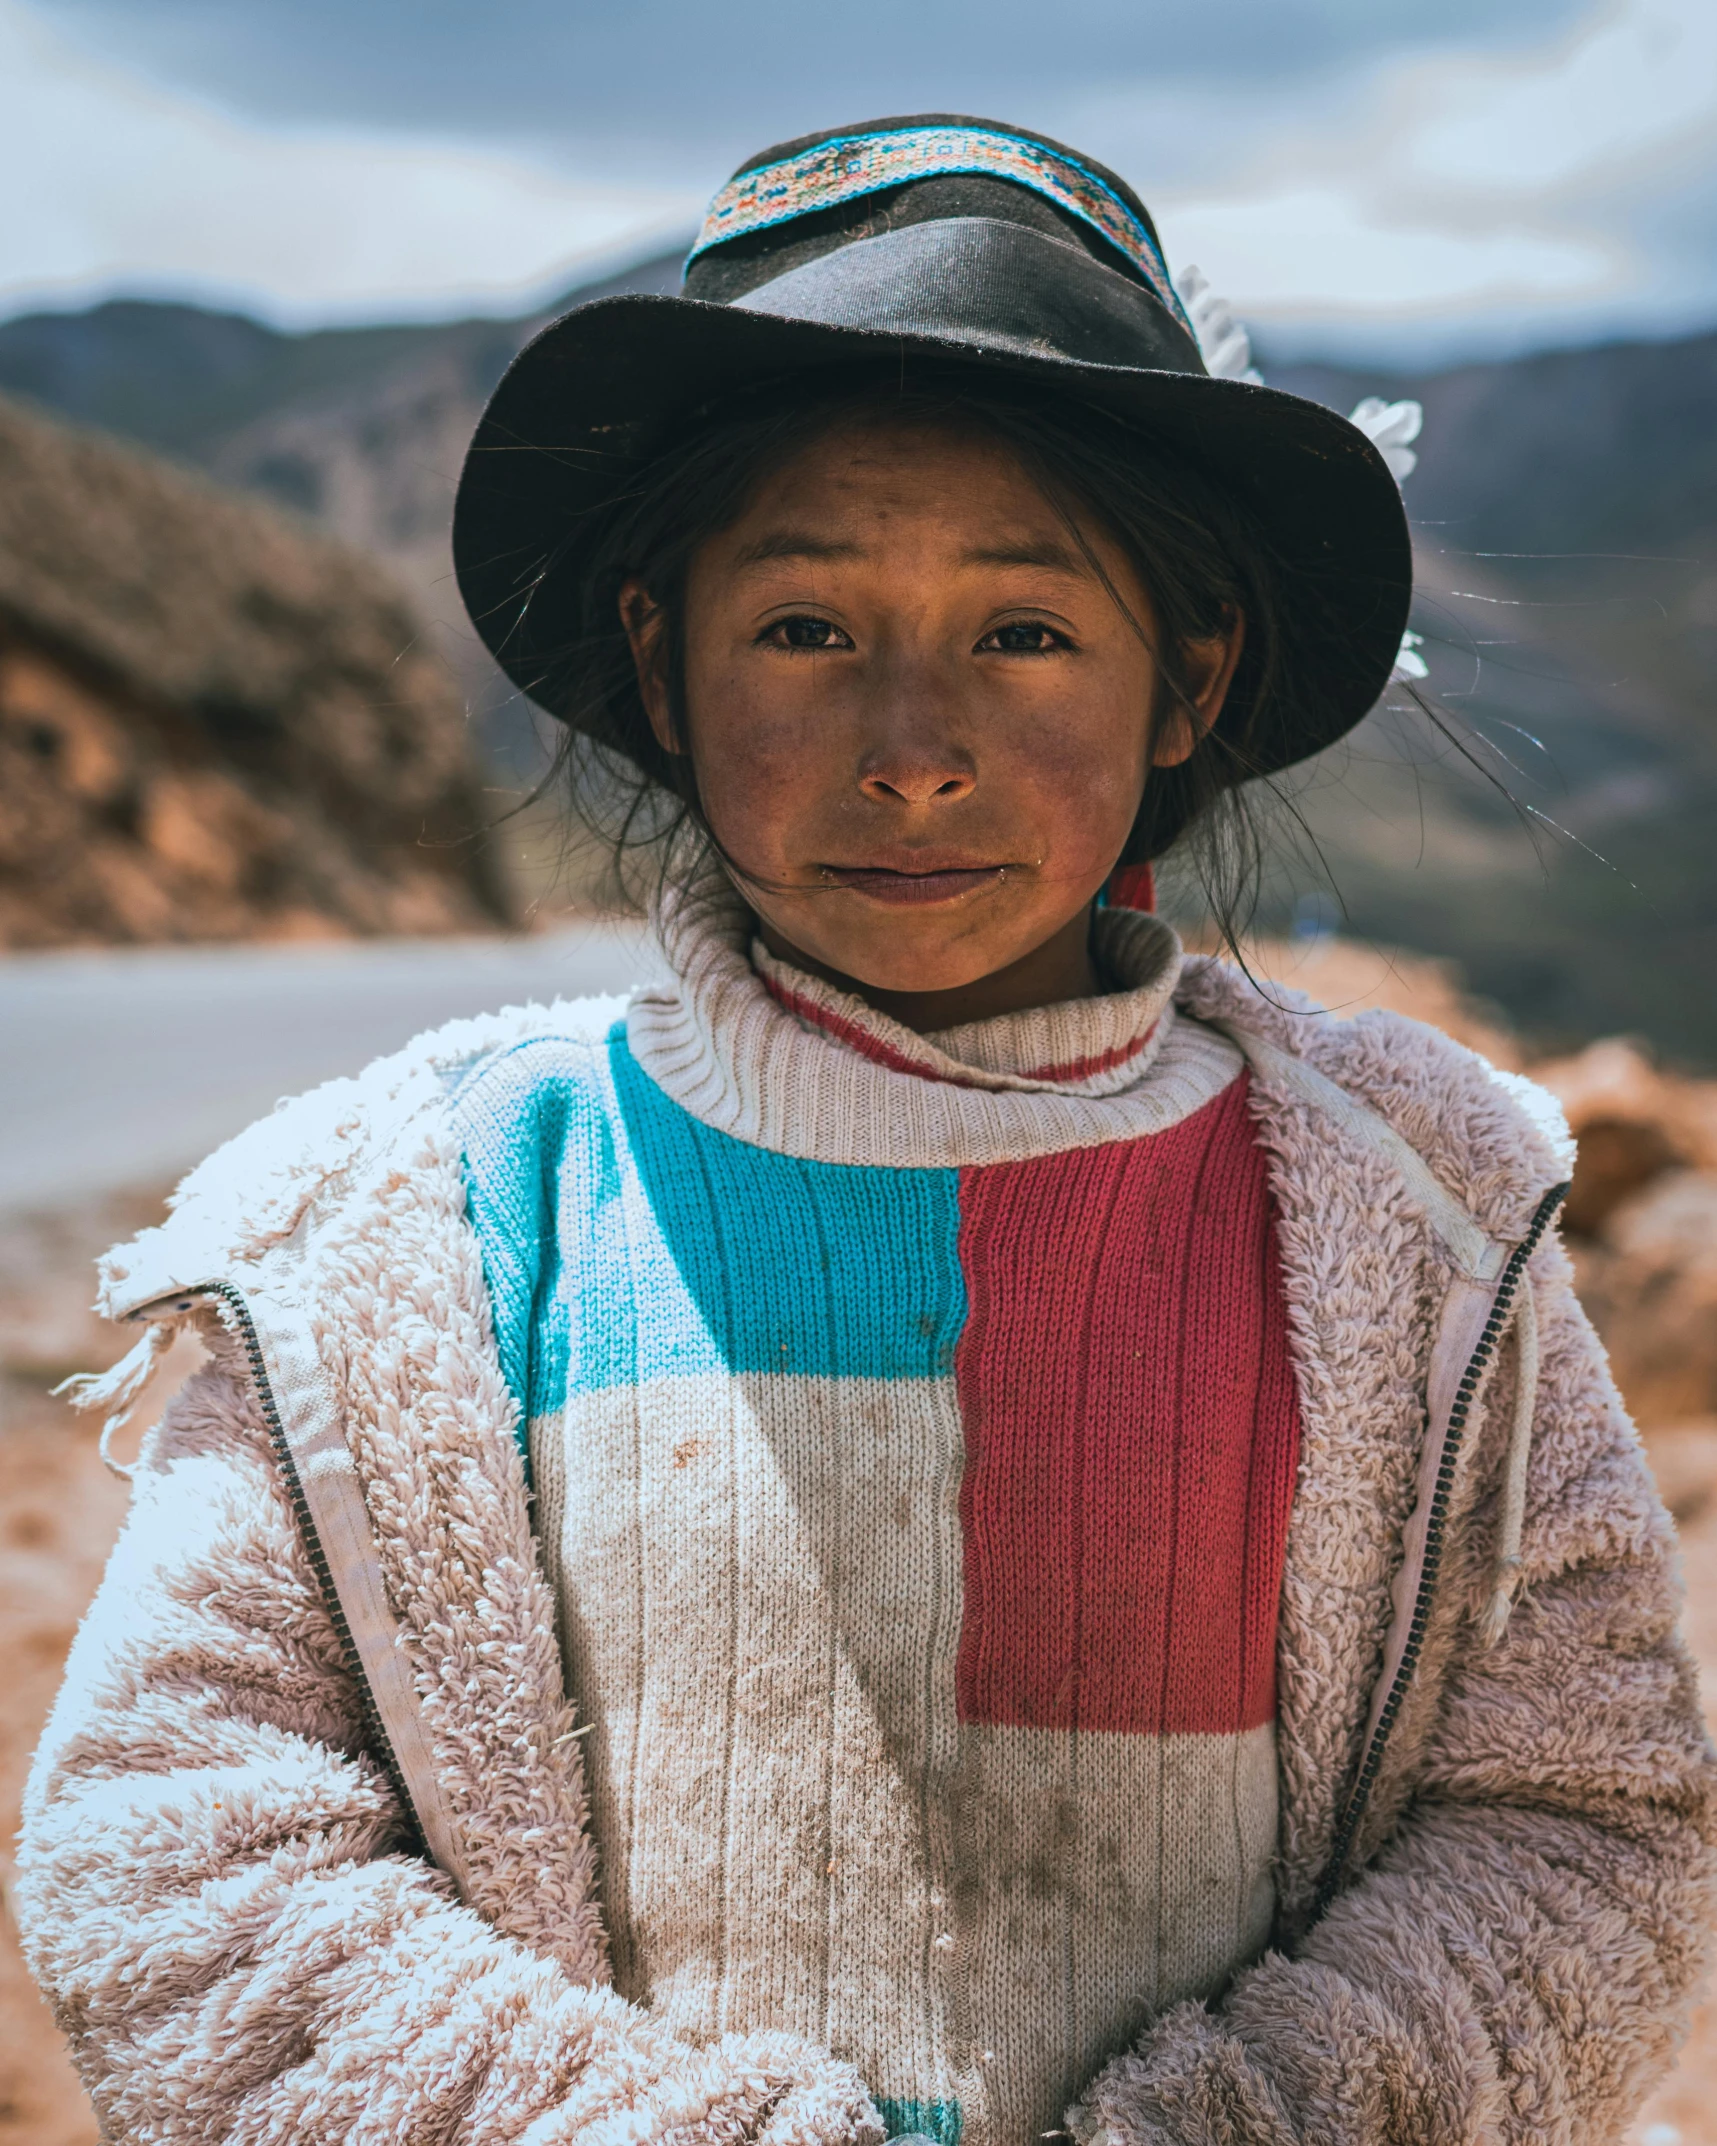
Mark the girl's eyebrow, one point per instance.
(793, 544)
(1044, 551)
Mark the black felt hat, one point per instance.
(945, 239)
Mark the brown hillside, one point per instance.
(214, 724)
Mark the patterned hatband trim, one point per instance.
(857, 164)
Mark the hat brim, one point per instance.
(585, 402)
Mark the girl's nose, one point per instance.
(916, 771)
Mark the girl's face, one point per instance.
(919, 721)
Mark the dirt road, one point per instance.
(125, 1066)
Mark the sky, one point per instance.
(1406, 179)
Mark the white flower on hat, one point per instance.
(1389, 426)
(1226, 347)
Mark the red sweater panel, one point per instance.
(1132, 1434)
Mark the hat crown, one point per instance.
(809, 197)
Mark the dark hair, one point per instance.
(1198, 552)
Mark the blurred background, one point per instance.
(261, 262)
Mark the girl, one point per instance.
(950, 1523)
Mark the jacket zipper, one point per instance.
(380, 1744)
(1501, 1305)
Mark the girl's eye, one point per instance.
(803, 631)
(1024, 637)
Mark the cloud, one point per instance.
(112, 183)
(1633, 86)
(1319, 250)
(1567, 188)
(693, 87)
(1419, 177)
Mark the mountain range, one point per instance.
(1565, 513)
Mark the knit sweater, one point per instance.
(916, 1532)
(307, 1851)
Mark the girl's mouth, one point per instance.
(906, 889)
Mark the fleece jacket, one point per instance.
(312, 1851)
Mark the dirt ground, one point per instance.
(60, 1509)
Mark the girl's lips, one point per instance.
(903, 889)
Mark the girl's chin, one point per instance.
(874, 963)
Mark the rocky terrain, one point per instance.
(214, 724)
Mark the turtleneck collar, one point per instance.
(758, 1048)
(1091, 1046)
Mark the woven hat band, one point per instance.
(851, 165)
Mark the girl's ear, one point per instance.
(645, 622)
(1207, 669)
